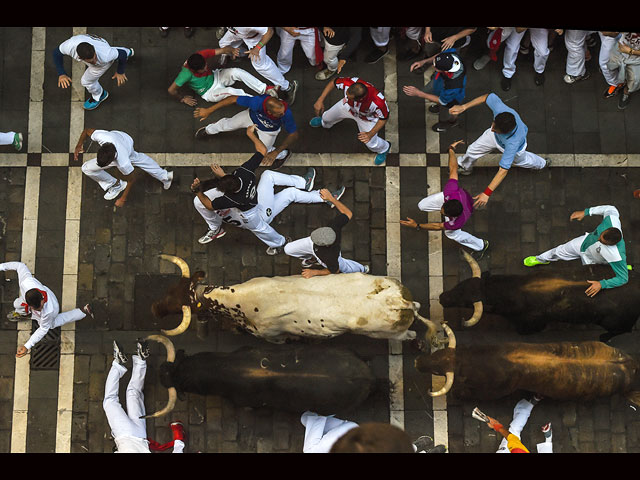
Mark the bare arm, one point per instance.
(458, 109)
(87, 132)
(482, 198)
(319, 105)
(342, 208)
(203, 113)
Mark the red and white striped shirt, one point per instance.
(372, 107)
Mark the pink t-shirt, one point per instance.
(452, 191)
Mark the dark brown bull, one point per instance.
(285, 377)
(560, 371)
(545, 295)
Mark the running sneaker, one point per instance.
(142, 348)
(532, 261)
(118, 355)
(211, 235)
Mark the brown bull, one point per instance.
(560, 370)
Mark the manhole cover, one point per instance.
(45, 355)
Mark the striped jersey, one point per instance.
(372, 107)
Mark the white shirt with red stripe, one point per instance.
(372, 107)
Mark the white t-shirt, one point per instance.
(124, 148)
(105, 53)
(250, 35)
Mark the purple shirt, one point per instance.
(452, 191)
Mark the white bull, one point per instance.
(281, 308)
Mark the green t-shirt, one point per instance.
(198, 84)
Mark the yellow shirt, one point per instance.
(514, 443)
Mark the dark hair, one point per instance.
(611, 236)
(106, 154)
(452, 208)
(33, 298)
(196, 62)
(358, 90)
(229, 184)
(374, 437)
(85, 51)
(505, 122)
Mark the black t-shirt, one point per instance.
(329, 255)
(247, 197)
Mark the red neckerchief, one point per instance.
(494, 44)
(446, 74)
(26, 307)
(264, 108)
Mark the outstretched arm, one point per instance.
(458, 109)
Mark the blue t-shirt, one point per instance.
(511, 142)
(262, 119)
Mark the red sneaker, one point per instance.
(636, 193)
(178, 431)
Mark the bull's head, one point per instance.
(441, 362)
(465, 290)
(178, 297)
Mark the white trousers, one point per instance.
(322, 432)
(241, 121)
(307, 39)
(567, 251)
(414, 33)
(259, 218)
(91, 79)
(606, 44)
(433, 203)
(225, 77)
(487, 143)
(303, 248)
(340, 111)
(521, 414)
(129, 423)
(140, 160)
(62, 318)
(330, 55)
(263, 65)
(7, 138)
(540, 44)
(575, 41)
(380, 35)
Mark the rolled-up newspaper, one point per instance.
(478, 415)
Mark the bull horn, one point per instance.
(477, 306)
(184, 268)
(186, 321)
(432, 330)
(173, 394)
(447, 386)
(449, 375)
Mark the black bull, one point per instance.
(285, 377)
(559, 370)
(549, 294)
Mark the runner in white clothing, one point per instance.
(322, 432)
(129, 429)
(37, 302)
(98, 56)
(116, 150)
(11, 138)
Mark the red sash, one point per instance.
(494, 44)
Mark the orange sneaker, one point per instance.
(636, 193)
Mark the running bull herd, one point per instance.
(287, 374)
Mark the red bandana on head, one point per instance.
(26, 307)
(266, 112)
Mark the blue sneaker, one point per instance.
(316, 122)
(382, 157)
(91, 104)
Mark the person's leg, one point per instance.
(540, 43)
(98, 174)
(484, 144)
(567, 251)
(214, 221)
(331, 55)
(338, 112)
(432, 203)
(261, 229)
(512, 46)
(380, 36)
(575, 41)
(302, 248)
(376, 144)
(285, 52)
(293, 195)
(178, 446)
(6, 138)
(239, 121)
(228, 76)
(118, 420)
(308, 43)
(606, 47)
(350, 266)
(525, 159)
(91, 80)
(465, 239)
(149, 165)
(135, 396)
(68, 317)
(521, 413)
(268, 69)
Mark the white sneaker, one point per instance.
(115, 190)
(481, 62)
(325, 74)
(211, 235)
(167, 184)
(367, 269)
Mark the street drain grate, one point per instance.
(45, 355)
